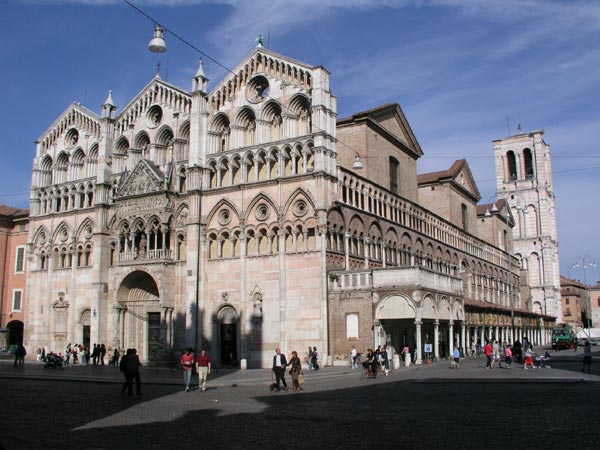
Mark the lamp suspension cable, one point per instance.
(157, 24)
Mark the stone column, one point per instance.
(419, 343)
(436, 341)
(122, 327)
(282, 291)
(451, 337)
(467, 337)
(347, 251)
(219, 248)
(246, 315)
(171, 330)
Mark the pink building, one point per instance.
(13, 239)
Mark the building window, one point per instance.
(352, 326)
(17, 295)
(528, 160)
(464, 217)
(20, 261)
(566, 301)
(512, 165)
(394, 175)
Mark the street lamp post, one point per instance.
(585, 262)
(504, 244)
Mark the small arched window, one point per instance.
(528, 160)
(512, 165)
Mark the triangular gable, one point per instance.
(145, 178)
(266, 62)
(459, 175)
(394, 120)
(156, 91)
(463, 178)
(74, 116)
(390, 121)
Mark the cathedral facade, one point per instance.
(237, 220)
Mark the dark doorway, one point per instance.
(153, 335)
(86, 336)
(228, 344)
(14, 332)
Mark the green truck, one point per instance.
(562, 337)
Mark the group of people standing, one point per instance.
(495, 353)
(375, 361)
(75, 351)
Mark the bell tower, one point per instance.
(524, 179)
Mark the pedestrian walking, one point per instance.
(295, 371)
(495, 353)
(310, 356)
(517, 350)
(123, 369)
(132, 372)
(406, 355)
(587, 357)
(20, 353)
(456, 357)
(279, 364)
(315, 359)
(528, 361)
(187, 363)
(488, 354)
(101, 353)
(115, 357)
(384, 360)
(353, 356)
(203, 368)
(371, 364)
(95, 354)
(507, 356)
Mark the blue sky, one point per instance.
(465, 72)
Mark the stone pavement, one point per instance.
(565, 367)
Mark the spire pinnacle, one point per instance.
(109, 100)
(200, 71)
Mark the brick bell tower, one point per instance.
(524, 179)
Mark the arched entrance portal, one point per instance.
(396, 317)
(14, 333)
(227, 321)
(140, 316)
